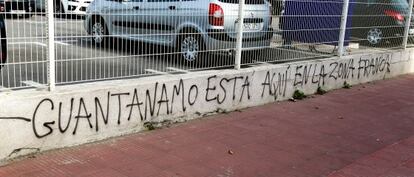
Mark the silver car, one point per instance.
(193, 27)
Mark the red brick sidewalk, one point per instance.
(396, 160)
(364, 131)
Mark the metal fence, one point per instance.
(53, 42)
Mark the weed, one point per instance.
(149, 125)
(346, 85)
(298, 95)
(321, 91)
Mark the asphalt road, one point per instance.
(79, 60)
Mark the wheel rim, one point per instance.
(374, 36)
(98, 32)
(190, 48)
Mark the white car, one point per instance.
(191, 26)
(19, 8)
(62, 7)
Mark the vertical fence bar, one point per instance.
(407, 24)
(239, 41)
(50, 27)
(342, 29)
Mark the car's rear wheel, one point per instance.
(99, 31)
(375, 36)
(190, 48)
(3, 57)
(59, 10)
(29, 11)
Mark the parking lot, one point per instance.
(79, 60)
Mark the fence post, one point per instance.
(239, 40)
(342, 30)
(50, 30)
(407, 24)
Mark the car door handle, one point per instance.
(171, 7)
(136, 7)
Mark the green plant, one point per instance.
(321, 91)
(149, 126)
(298, 95)
(346, 85)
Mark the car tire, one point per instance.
(374, 37)
(3, 61)
(190, 48)
(3, 47)
(59, 10)
(99, 31)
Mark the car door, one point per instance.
(124, 17)
(161, 20)
(360, 16)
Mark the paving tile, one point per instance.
(137, 168)
(103, 172)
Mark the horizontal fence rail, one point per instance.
(55, 42)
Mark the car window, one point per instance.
(246, 1)
(396, 3)
(163, 0)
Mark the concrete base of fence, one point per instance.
(33, 121)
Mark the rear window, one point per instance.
(400, 4)
(246, 1)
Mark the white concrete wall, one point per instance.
(410, 59)
(32, 121)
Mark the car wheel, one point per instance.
(3, 54)
(98, 31)
(191, 48)
(3, 61)
(59, 9)
(374, 36)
